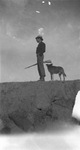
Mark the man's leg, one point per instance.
(40, 66)
(39, 70)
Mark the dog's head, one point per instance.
(49, 65)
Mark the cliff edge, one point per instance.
(30, 106)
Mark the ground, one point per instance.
(33, 106)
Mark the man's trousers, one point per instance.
(40, 66)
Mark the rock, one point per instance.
(4, 125)
(1, 124)
(5, 130)
(30, 105)
(22, 120)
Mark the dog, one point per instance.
(56, 70)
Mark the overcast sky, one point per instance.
(22, 20)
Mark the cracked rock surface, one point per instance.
(31, 106)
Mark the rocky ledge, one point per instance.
(32, 106)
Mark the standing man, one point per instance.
(40, 56)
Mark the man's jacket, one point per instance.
(41, 48)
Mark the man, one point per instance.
(40, 56)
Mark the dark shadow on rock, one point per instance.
(5, 130)
(75, 121)
(21, 121)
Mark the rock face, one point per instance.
(30, 106)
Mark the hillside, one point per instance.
(32, 106)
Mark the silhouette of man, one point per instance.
(40, 57)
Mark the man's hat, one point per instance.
(39, 37)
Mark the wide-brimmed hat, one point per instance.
(39, 37)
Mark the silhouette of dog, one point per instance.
(56, 70)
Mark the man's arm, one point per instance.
(42, 49)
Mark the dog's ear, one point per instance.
(50, 64)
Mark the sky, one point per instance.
(58, 21)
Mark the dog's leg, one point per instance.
(52, 77)
(63, 77)
(60, 76)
